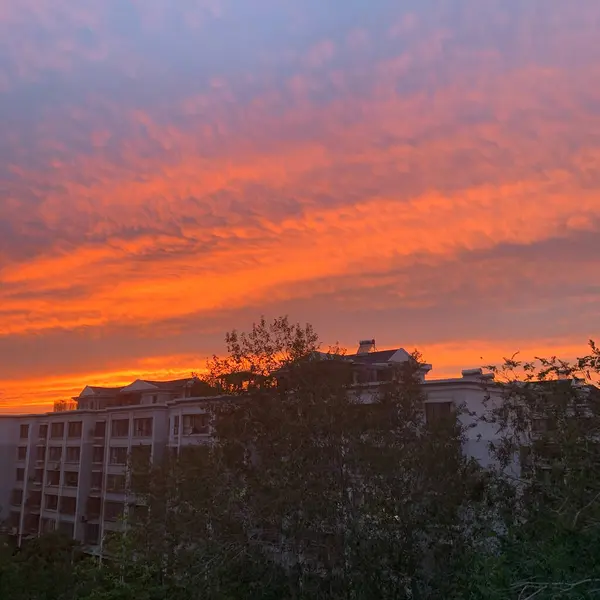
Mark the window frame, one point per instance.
(139, 430)
(115, 423)
(117, 450)
(192, 428)
(71, 449)
(57, 425)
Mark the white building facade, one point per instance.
(68, 470)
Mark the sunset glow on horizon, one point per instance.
(426, 173)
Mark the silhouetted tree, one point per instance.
(549, 463)
(307, 492)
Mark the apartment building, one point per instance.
(67, 470)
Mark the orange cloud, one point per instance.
(37, 394)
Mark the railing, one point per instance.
(65, 405)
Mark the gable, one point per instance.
(139, 385)
(401, 355)
(87, 391)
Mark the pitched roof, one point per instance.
(173, 383)
(96, 390)
(380, 356)
(137, 385)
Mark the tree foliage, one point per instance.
(308, 488)
(314, 486)
(549, 424)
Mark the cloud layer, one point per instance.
(170, 170)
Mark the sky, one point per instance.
(424, 172)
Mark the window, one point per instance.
(542, 425)
(365, 375)
(73, 454)
(192, 453)
(74, 429)
(96, 481)
(20, 474)
(384, 375)
(31, 524)
(67, 528)
(115, 483)
(38, 476)
(142, 427)
(43, 431)
(51, 502)
(154, 399)
(100, 429)
(113, 511)
(57, 430)
(15, 517)
(92, 534)
(140, 455)
(435, 412)
(48, 525)
(34, 500)
(525, 460)
(120, 428)
(176, 425)
(16, 497)
(68, 505)
(53, 478)
(118, 456)
(71, 478)
(98, 454)
(195, 424)
(55, 453)
(24, 431)
(40, 453)
(21, 452)
(93, 508)
(138, 513)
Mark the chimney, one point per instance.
(365, 346)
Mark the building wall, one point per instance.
(9, 438)
(470, 396)
(97, 457)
